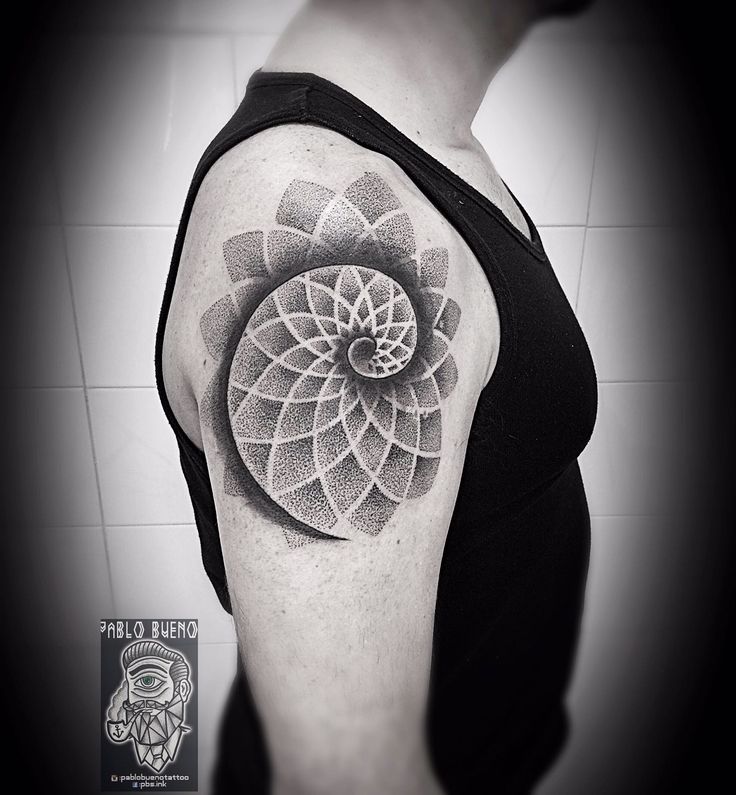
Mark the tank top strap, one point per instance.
(278, 98)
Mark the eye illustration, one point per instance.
(334, 351)
(148, 682)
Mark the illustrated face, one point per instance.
(147, 708)
(149, 679)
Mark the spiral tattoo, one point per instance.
(333, 351)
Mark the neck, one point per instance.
(423, 64)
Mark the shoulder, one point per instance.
(298, 198)
(251, 181)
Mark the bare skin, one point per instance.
(336, 636)
(427, 70)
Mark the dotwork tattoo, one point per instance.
(333, 351)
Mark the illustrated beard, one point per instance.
(153, 723)
(155, 728)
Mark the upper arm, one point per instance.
(342, 337)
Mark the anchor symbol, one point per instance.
(117, 731)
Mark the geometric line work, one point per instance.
(334, 381)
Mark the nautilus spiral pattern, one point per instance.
(335, 360)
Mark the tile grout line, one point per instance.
(70, 284)
(88, 413)
(598, 125)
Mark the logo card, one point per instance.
(149, 714)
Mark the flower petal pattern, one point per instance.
(330, 394)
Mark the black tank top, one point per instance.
(515, 560)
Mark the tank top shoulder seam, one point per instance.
(306, 115)
(301, 113)
(498, 284)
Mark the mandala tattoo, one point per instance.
(333, 352)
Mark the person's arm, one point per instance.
(344, 351)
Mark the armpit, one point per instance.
(333, 351)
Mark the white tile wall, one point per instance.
(42, 303)
(646, 161)
(133, 115)
(640, 319)
(138, 459)
(133, 104)
(118, 276)
(539, 121)
(637, 615)
(250, 54)
(640, 457)
(175, 587)
(564, 247)
(67, 586)
(58, 474)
